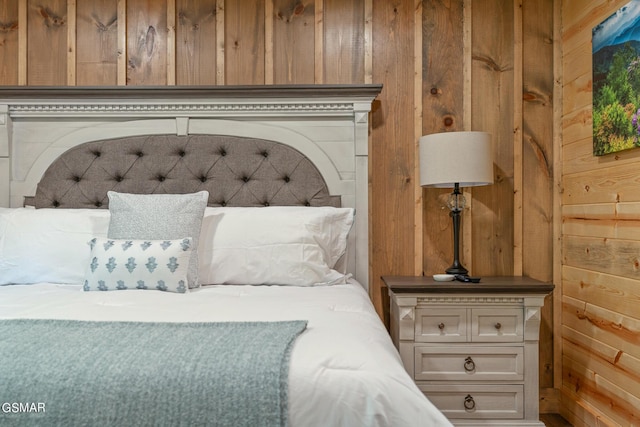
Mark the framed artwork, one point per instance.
(616, 81)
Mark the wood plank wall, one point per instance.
(600, 319)
(445, 65)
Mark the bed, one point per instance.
(195, 256)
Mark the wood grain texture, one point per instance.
(245, 42)
(603, 185)
(343, 57)
(293, 41)
(537, 171)
(606, 329)
(595, 405)
(122, 43)
(614, 293)
(171, 42)
(518, 124)
(537, 139)
(318, 42)
(196, 42)
(146, 42)
(47, 42)
(97, 49)
(493, 109)
(8, 42)
(220, 42)
(23, 25)
(619, 257)
(392, 148)
(368, 41)
(72, 30)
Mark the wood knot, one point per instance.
(299, 9)
(448, 121)
(50, 19)
(434, 90)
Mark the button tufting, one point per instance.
(223, 152)
(161, 178)
(119, 178)
(223, 203)
(266, 204)
(245, 178)
(203, 179)
(265, 154)
(55, 203)
(98, 204)
(97, 153)
(287, 179)
(182, 153)
(76, 178)
(307, 203)
(139, 154)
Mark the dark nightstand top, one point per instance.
(426, 284)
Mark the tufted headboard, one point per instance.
(236, 171)
(246, 145)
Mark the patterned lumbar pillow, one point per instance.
(138, 264)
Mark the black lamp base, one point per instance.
(457, 269)
(456, 204)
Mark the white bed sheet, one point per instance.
(344, 368)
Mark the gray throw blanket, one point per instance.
(78, 373)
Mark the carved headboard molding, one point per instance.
(328, 124)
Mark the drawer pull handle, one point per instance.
(469, 403)
(498, 325)
(469, 364)
(441, 326)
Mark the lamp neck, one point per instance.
(456, 199)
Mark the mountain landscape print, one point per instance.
(616, 81)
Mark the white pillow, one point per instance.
(273, 245)
(47, 245)
(138, 264)
(159, 216)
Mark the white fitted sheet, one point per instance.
(344, 368)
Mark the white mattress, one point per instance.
(344, 370)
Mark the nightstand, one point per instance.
(472, 348)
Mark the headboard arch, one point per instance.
(236, 171)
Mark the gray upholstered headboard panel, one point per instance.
(235, 171)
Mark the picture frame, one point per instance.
(616, 81)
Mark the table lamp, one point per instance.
(455, 160)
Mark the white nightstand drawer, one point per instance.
(469, 363)
(497, 324)
(441, 325)
(459, 401)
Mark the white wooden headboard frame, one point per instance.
(327, 123)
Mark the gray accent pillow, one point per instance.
(159, 217)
